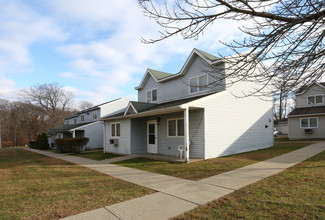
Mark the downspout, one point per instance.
(186, 134)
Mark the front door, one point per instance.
(152, 146)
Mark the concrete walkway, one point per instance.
(175, 195)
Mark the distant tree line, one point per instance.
(43, 106)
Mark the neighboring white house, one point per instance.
(182, 109)
(307, 120)
(87, 123)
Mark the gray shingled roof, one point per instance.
(144, 107)
(209, 56)
(308, 111)
(159, 74)
(53, 130)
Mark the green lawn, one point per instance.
(96, 155)
(33, 186)
(203, 169)
(296, 193)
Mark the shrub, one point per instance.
(42, 142)
(71, 145)
(32, 144)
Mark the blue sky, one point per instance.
(90, 47)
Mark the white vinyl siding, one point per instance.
(235, 125)
(309, 123)
(124, 140)
(175, 127)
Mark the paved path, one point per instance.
(175, 195)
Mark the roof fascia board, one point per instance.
(203, 99)
(144, 79)
(187, 63)
(320, 85)
(83, 126)
(127, 108)
(147, 113)
(183, 70)
(315, 114)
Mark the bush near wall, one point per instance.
(32, 144)
(71, 145)
(42, 142)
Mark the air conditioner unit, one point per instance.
(308, 131)
(115, 142)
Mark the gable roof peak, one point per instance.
(159, 74)
(207, 55)
(304, 88)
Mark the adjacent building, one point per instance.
(87, 123)
(307, 120)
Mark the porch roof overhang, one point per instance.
(179, 108)
(81, 127)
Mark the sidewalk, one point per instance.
(175, 195)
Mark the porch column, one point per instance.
(73, 133)
(104, 136)
(186, 134)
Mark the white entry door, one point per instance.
(152, 145)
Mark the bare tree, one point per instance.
(84, 105)
(287, 34)
(52, 99)
(282, 99)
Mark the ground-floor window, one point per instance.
(309, 122)
(115, 129)
(175, 127)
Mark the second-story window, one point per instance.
(82, 118)
(66, 122)
(75, 121)
(152, 95)
(315, 99)
(198, 83)
(94, 115)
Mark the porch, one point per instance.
(158, 137)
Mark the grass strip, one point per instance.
(296, 193)
(203, 169)
(34, 186)
(96, 155)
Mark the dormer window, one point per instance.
(152, 95)
(315, 99)
(198, 83)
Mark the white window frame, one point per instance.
(309, 122)
(174, 119)
(151, 95)
(322, 95)
(82, 118)
(115, 123)
(198, 83)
